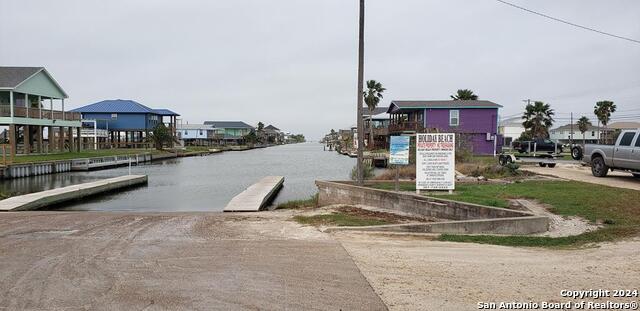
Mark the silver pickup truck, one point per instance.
(624, 155)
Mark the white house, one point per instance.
(197, 134)
(510, 129)
(562, 134)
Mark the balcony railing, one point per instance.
(406, 126)
(37, 113)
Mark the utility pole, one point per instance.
(572, 128)
(360, 130)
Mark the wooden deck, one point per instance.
(257, 196)
(46, 198)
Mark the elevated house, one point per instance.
(274, 135)
(377, 120)
(32, 107)
(510, 129)
(475, 121)
(231, 132)
(199, 134)
(562, 134)
(127, 121)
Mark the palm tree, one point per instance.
(583, 126)
(603, 110)
(538, 118)
(464, 95)
(372, 97)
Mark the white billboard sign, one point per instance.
(435, 161)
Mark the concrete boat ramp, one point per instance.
(46, 198)
(257, 196)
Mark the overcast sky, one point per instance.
(293, 63)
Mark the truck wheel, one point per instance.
(636, 175)
(542, 164)
(502, 161)
(551, 165)
(576, 153)
(598, 167)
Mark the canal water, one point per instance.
(202, 183)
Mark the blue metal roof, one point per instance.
(165, 112)
(122, 106)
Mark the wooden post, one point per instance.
(39, 144)
(397, 178)
(51, 146)
(13, 135)
(79, 144)
(61, 139)
(26, 132)
(71, 141)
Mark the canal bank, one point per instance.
(204, 183)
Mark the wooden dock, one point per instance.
(46, 198)
(257, 196)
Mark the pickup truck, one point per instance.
(538, 144)
(624, 155)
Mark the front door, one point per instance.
(624, 150)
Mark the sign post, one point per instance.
(435, 161)
(399, 155)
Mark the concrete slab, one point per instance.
(172, 261)
(46, 198)
(256, 196)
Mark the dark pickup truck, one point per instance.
(537, 145)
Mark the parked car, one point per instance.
(537, 145)
(623, 155)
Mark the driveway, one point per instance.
(583, 173)
(173, 261)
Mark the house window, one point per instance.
(454, 117)
(114, 116)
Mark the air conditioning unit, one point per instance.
(490, 137)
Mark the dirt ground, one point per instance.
(412, 273)
(158, 261)
(174, 261)
(583, 173)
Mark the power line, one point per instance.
(569, 23)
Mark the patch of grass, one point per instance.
(80, 155)
(296, 204)
(618, 209)
(338, 219)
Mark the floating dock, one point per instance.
(257, 196)
(46, 198)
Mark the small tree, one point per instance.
(160, 136)
(583, 126)
(603, 110)
(464, 94)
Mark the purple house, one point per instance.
(476, 121)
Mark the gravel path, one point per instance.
(583, 173)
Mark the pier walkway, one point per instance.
(257, 196)
(46, 198)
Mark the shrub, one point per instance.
(367, 172)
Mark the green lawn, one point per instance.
(78, 155)
(618, 209)
(295, 204)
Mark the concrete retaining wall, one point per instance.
(511, 225)
(470, 218)
(341, 193)
(34, 169)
